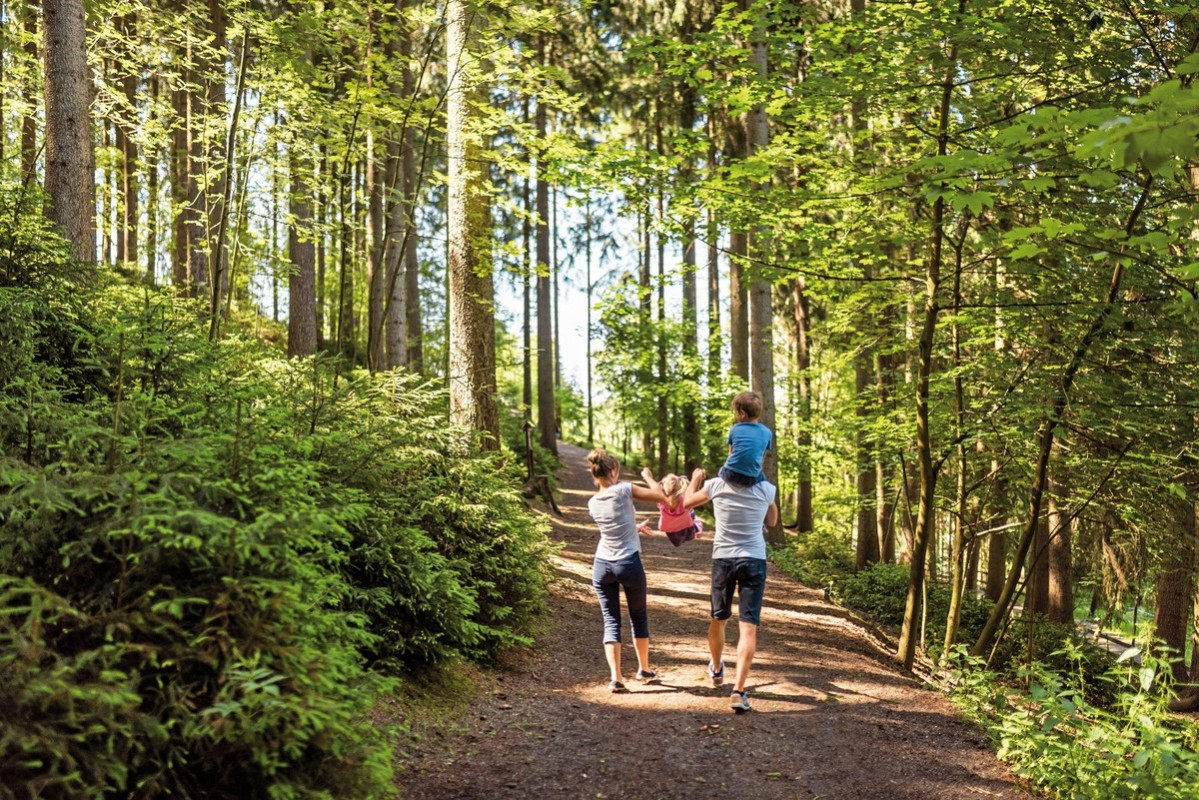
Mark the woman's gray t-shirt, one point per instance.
(740, 516)
(612, 510)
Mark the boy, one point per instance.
(748, 442)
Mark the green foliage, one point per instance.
(1053, 735)
(880, 592)
(816, 559)
(209, 556)
(1062, 649)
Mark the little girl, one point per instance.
(678, 523)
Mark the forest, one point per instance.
(296, 295)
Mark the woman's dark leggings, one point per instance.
(607, 577)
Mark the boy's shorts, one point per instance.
(738, 479)
(745, 575)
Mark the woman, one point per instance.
(618, 562)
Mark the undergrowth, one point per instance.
(213, 559)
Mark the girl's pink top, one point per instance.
(678, 519)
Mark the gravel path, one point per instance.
(832, 717)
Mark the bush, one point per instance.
(815, 559)
(205, 550)
(1073, 749)
(880, 591)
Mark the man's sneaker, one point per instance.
(646, 675)
(739, 701)
(717, 675)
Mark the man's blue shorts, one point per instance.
(745, 575)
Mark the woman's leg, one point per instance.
(607, 591)
(612, 653)
(632, 577)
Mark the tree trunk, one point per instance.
(884, 464)
(70, 156)
(412, 305)
(867, 517)
(301, 282)
(213, 197)
(126, 126)
(590, 406)
(926, 515)
(663, 410)
(151, 159)
(715, 371)
(178, 205)
(692, 457)
(527, 323)
(29, 121)
(1176, 580)
(546, 423)
(803, 364)
(1060, 582)
(376, 285)
(471, 316)
(738, 284)
(761, 323)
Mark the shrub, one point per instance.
(205, 549)
(816, 559)
(1073, 749)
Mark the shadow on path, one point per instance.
(833, 716)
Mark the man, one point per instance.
(738, 564)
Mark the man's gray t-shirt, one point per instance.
(612, 510)
(740, 517)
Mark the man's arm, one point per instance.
(695, 496)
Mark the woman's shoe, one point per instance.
(646, 675)
(616, 687)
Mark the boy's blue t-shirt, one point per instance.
(750, 441)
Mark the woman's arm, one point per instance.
(651, 495)
(772, 515)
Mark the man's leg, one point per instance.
(747, 645)
(716, 641)
(723, 584)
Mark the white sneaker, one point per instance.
(716, 675)
(739, 702)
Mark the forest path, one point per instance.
(832, 717)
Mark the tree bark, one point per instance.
(803, 363)
(29, 121)
(301, 282)
(1060, 583)
(471, 316)
(126, 126)
(761, 323)
(70, 155)
(546, 423)
(692, 457)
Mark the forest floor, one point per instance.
(832, 716)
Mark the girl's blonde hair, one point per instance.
(674, 487)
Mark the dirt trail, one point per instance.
(832, 717)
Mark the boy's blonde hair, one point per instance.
(749, 404)
(674, 487)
